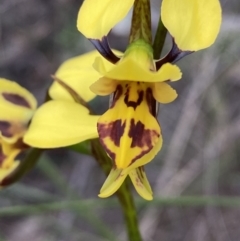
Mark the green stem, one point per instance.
(141, 22)
(159, 39)
(129, 209)
(124, 193)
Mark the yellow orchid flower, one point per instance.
(17, 107)
(129, 130)
(63, 122)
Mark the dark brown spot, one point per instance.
(117, 95)
(140, 136)
(131, 103)
(137, 132)
(151, 102)
(114, 130)
(16, 99)
(5, 128)
(141, 141)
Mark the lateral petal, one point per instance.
(163, 92)
(78, 74)
(104, 86)
(113, 182)
(61, 123)
(194, 25)
(140, 182)
(97, 17)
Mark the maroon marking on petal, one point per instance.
(140, 136)
(134, 104)
(4, 128)
(16, 99)
(151, 102)
(117, 95)
(139, 156)
(114, 130)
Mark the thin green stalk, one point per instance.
(141, 22)
(159, 39)
(129, 210)
(124, 193)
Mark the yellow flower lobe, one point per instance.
(129, 129)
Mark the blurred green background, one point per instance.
(57, 201)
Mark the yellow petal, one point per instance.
(11, 131)
(13, 93)
(129, 69)
(97, 17)
(117, 176)
(78, 74)
(163, 92)
(128, 130)
(99, 65)
(113, 182)
(149, 156)
(7, 149)
(104, 86)
(140, 182)
(7, 159)
(17, 106)
(61, 123)
(194, 24)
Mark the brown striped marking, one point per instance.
(16, 99)
(114, 130)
